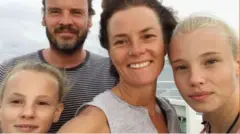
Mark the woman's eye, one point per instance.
(148, 36)
(120, 42)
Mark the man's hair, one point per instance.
(91, 11)
(165, 16)
(41, 68)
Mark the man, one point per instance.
(67, 23)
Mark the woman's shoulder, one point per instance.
(91, 119)
(170, 114)
(92, 111)
(164, 103)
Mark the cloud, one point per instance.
(227, 10)
(1, 45)
(21, 31)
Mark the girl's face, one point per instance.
(205, 70)
(29, 103)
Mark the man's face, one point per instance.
(67, 24)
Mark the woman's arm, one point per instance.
(90, 120)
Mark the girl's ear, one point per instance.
(58, 112)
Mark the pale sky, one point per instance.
(21, 31)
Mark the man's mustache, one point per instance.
(68, 28)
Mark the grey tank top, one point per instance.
(125, 118)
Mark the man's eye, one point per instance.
(54, 12)
(77, 13)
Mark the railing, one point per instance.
(190, 120)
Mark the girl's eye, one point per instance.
(16, 102)
(42, 103)
(211, 62)
(181, 67)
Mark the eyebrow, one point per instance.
(146, 29)
(142, 31)
(209, 54)
(18, 94)
(40, 96)
(177, 60)
(57, 8)
(44, 96)
(53, 8)
(202, 55)
(77, 9)
(120, 35)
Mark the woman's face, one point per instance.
(205, 70)
(136, 45)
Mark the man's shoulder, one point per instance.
(96, 59)
(26, 57)
(6, 65)
(94, 56)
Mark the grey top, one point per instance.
(125, 118)
(86, 80)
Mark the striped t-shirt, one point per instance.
(86, 81)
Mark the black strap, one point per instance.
(233, 124)
(231, 127)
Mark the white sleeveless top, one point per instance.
(125, 118)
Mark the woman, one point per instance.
(31, 96)
(134, 32)
(204, 56)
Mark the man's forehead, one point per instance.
(67, 3)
